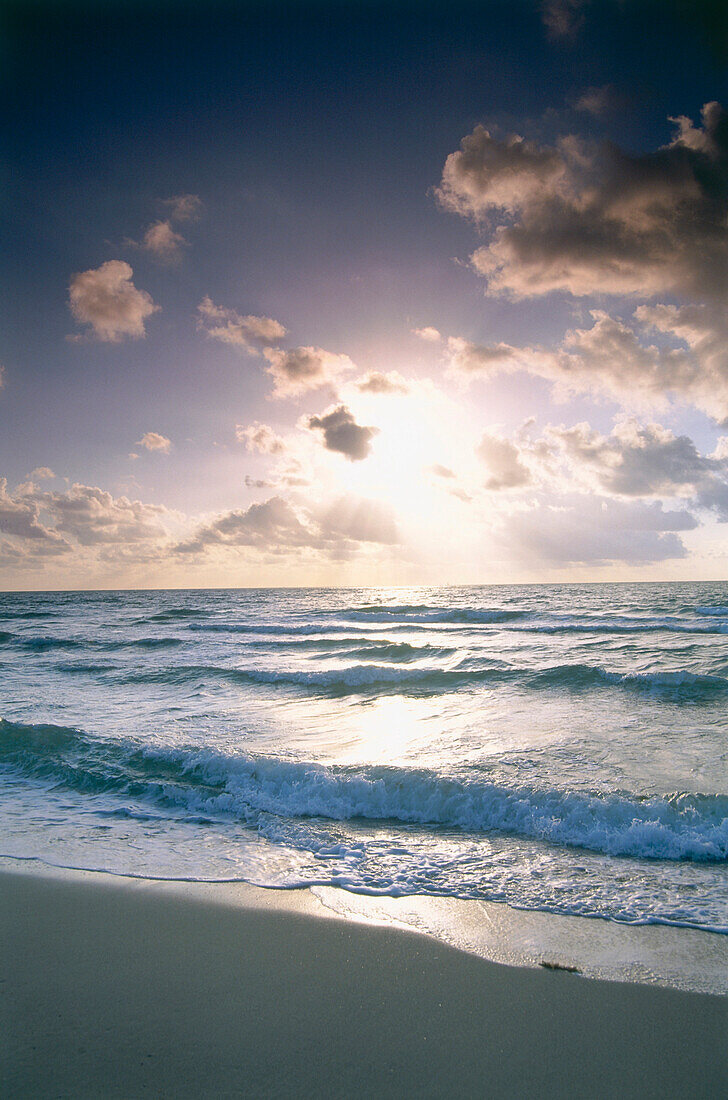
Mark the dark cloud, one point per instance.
(563, 18)
(646, 460)
(593, 220)
(342, 434)
(379, 382)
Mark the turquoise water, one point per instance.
(560, 748)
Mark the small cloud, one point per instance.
(184, 208)
(503, 460)
(342, 434)
(597, 101)
(381, 383)
(248, 333)
(441, 471)
(257, 483)
(133, 456)
(427, 333)
(162, 241)
(299, 370)
(153, 441)
(260, 437)
(563, 18)
(41, 473)
(106, 299)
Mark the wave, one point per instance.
(266, 628)
(44, 642)
(28, 615)
(716, 611)
(675, 686)
(425, 613)
(634, 626)
(259, 791)
(173, 614)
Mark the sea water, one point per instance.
(557, 748)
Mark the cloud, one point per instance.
(590, 220)
(161, 240)
(260, 437)
(276, 527)
(184, 208)
(592, 531)
(468, 360)
(153, 441)
(645, 460)
(272, 525)
(617, 359)
(248, 333)
(342, 434)
(106, 299)
(502, 458)
(93, 516)
(83, 522)
(563, 18)
(598, 100)
(302, 369)
(19, 516)
(441, 471)
(427, 333)
(381, 383)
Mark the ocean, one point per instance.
(560, 748)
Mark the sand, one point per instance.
(112, 988)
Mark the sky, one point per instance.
(360, 293)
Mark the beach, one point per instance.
(119, 987)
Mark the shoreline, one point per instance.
(672, 956)
(132, 987)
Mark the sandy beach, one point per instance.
(120, 988)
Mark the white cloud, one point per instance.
(260, 437)
(342, 434)
(593, 531)
(428, 333)
(153, 441)
(617, 359)
(276, 527)
(249, 333)
(163, 242)
(20, 517)
(106, 299)
(302, 369)
(504, 464)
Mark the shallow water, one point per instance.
(559, 748)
